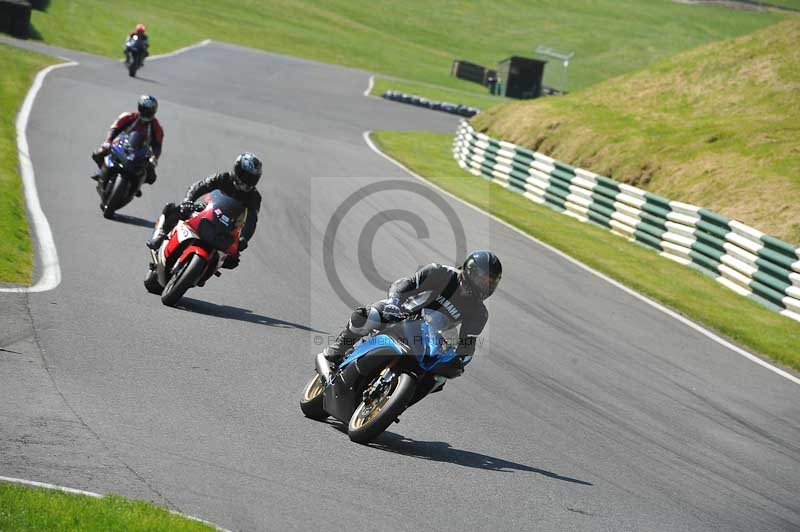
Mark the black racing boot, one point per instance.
(155, 241)
(346, 340)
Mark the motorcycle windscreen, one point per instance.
(227, 214)
(131, 151)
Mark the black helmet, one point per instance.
(246, 171)
(481, 273)
(148, 106)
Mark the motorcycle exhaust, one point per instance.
(323, 367)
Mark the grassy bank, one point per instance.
(685, 290)
(24, 509)
(415, 39)
(16, 259)
(718, 126)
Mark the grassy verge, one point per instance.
(435, 92)
(718, 126)
(415, 39)
(16, 258)
(27, 509)
(687, 291)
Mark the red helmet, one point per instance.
(140, 28)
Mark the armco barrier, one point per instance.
(419, 101)
(744, 259)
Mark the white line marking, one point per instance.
(624, 288)
(369, 87)
(45, 485)
(50, 487)
(51, 272)
(179, 50)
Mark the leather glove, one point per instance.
(231, 261)
(391, 309)
(186, 209)
(242, 244)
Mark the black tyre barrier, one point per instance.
(447, 107)
(15, 18)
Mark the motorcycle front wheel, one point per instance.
(116, 198)
(374, 416)
(183, 280)
(311, 402)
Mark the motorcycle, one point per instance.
(134, 54)
(385, 373)
(196, 247)
(122, 173)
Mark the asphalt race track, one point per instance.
(586, 409)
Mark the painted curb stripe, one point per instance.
(758, 266)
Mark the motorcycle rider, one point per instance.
(145, 122)
(239, 184)
(141, 32)
(457, 292)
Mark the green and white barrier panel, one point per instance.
(744, 259)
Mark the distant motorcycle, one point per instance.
(122, 173)
(134, 54)
(196, 247)
(384, 374)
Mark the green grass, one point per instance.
(16, 258)
(683, 289)
(24, 509)
(436, 92)
(718, 127)
(414, 39)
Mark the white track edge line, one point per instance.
(180, 50)
(55, 487)
(48, 254)
(654, 304)
(369, 86)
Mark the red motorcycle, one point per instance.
(196, 247)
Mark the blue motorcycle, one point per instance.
(123, 171)
(134, 54)
(384, 374)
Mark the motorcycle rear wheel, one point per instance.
(372, 418)
(186, 278)
(311, 402)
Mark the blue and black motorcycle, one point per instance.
(134, 54)
(122, 173)
(384, 374)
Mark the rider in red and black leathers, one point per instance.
(239, 184)
(145, 122)
(458, 293)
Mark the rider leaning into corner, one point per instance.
(140, 32)
(457, 292)
(145, 122)
(239, 184)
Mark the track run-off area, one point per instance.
(584, 409)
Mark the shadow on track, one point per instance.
(148, 80)
(241, 314)
(133, 220)
(442, 452)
